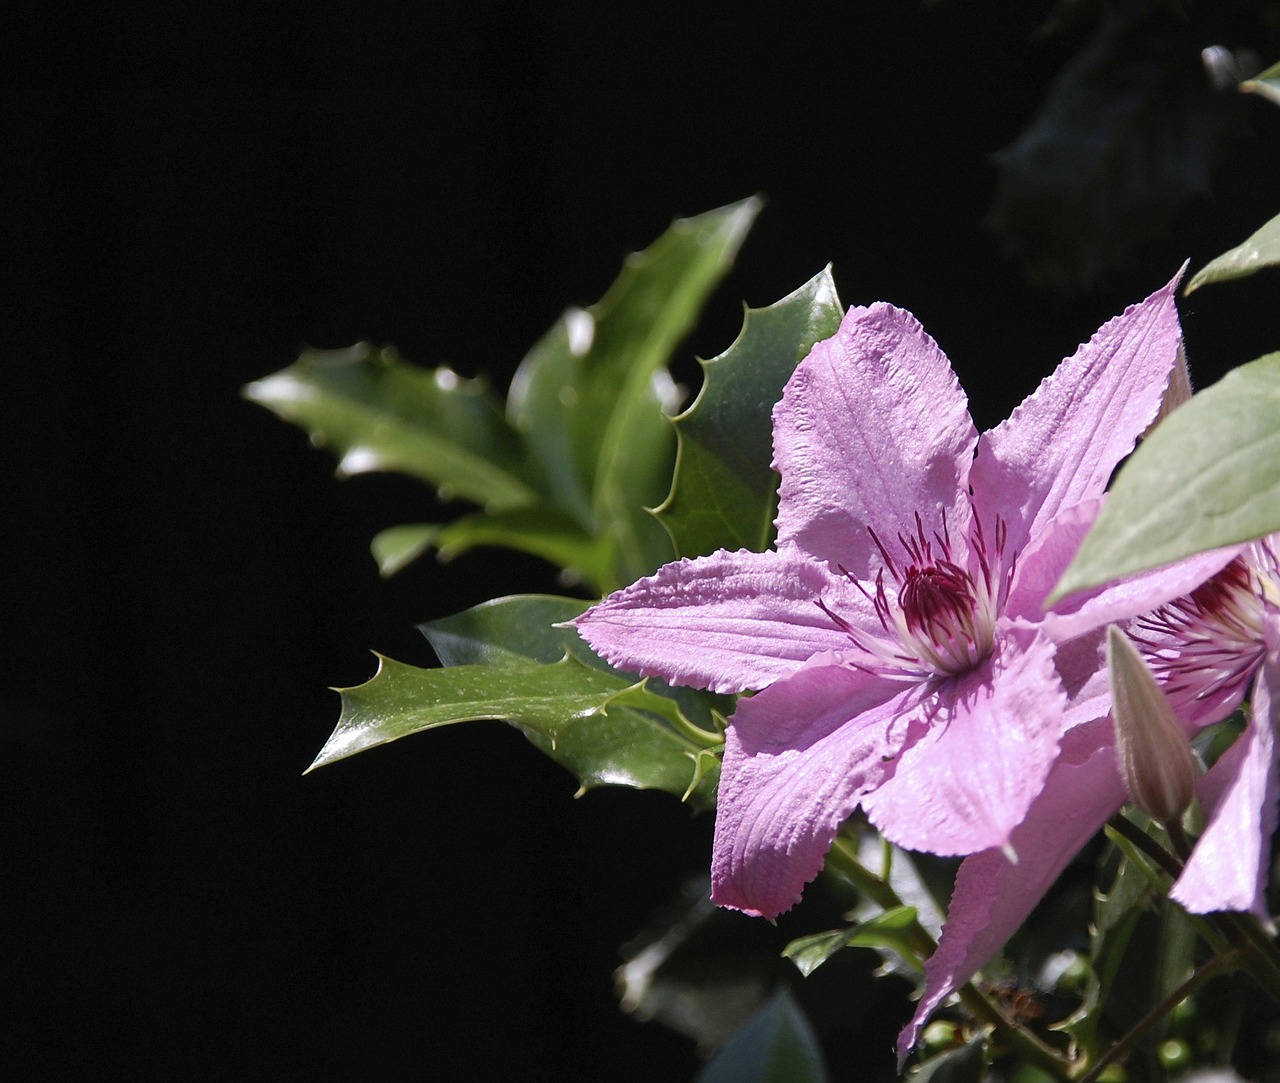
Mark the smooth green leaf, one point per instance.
(889, 931)
(545, 532)
(510, 631)
(398, 546)
(1265, 84)
(777, 1046)
(1262, 249)
(586, 398)
(381, 413)
(723, 495)
(1208, 476)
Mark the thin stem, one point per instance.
(1257, 952)
(843, 859)
(1122, 1047)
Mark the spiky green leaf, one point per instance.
(588, 397)
(723, 495)
(378, 412)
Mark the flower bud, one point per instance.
(1155, 755)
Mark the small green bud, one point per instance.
(1155, 755)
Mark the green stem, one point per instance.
(1122, 1047)
(1257, 952)
(843, 858)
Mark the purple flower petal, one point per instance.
(1060, 446)
(1229, 867)
(798, 756)
(728, 621)
(872, 429)
(993, 896)
(991, 736)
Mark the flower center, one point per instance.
(941, 618)
(938, 614)
(1210, 641)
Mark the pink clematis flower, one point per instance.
(1208, 650)
(895, 638)
(1209, 630)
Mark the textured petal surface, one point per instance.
(1059, 447)
(797, 759)
(727, 622)
(1229, 867)
(993, 896)
(991, 738)
(871, 429)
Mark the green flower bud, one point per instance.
(1155, 755)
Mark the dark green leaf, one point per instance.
(1261, 250)
(889, 931)
(507, 660)
(509, 631)
(777, 1046)
(398, 546)
(586, 397)
(543, 531)
(723, 494)
(1128, 135)
(593, 723)
(380, 413)
(1208, 476)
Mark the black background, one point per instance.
(195, 193)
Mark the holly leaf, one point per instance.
(506, 660)
(1207, 476)
(378, 412)
(589, 397)
(1262, 249)
(777, 1045)
(723, 495)
(542, 531)
(585, 445)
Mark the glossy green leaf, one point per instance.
(590, 722)
(380, 413)
(891, 931)
(507, 660)
(524, 627)
(1208, 476)
(1265, 84)
(724, 492)
(510, 631)
(1262, 249)
(588, 397)
(777, 1046)
(543, 531)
